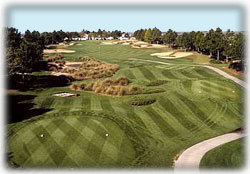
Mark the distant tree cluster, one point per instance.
(23, 52)
(104, 34)
(216, 43)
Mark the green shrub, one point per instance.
(135, 89)
(157, 83)
(142, 100)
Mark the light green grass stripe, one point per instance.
(95, 103)
(171, 120)
(149, 123)
(138, 74)
(189, 112)
(163, 125)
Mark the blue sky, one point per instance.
(125, 18)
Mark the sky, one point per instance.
(128, 19)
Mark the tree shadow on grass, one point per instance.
(20, 107)
(31, 82)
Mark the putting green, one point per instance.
(72, 140)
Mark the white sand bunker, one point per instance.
(171, 55)
(58, 51)
(109, 43)
(65, 94)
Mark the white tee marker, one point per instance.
(107, 135)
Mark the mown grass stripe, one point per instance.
(106, 105)
(54, 150)
(197, 111)
(95, 103)
(130, 112)
(161, 123)
(168, 74)
(170, 107)
(129, 74)
(147, 73)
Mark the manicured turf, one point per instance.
(229, 155)
(194, 104)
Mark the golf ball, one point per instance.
(107, 135)
(42, 135)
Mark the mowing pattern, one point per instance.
(197, 104)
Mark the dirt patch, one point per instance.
(58, 51)
(65, 94)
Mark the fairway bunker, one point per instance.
(66, 94)
(172, 55)
(58, 51)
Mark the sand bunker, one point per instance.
(162, 54)
(140, 43)
(65, 94)
(171, 55)
(58, 51)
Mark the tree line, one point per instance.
(220, 45)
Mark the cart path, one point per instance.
(226, 75)
(192, 156)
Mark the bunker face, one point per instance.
(58, 51)
(65, 94)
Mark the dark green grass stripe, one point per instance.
(174, 111)
(86, 101)
(54, 150)
(187, 85)
(161, 123)
(196, 110)
(67, 103)
(73, 136)
(218, 88)
(204, 72)
(132, 115)
(95, 151)
(106, 105)
(189, 74)
(129, 74)
(147, 73)
(47, 102)
(168, 74)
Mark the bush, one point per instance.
(157, 83)
(74, 87)
(83, 86)
(237, 65)
(134, 89)
(142, 100)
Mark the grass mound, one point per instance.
(142, 100)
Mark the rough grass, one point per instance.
(229, 155)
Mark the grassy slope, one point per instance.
(197, 104)
(229, 155)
